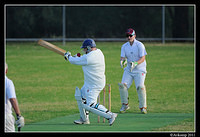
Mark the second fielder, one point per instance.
(133, 53)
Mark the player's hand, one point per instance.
(20, 121)
(67, 55)
(133, 65)
(123, 63)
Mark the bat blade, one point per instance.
(51, 47)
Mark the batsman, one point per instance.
(93, 65)
(133, 53)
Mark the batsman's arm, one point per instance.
(76, 59)
(82, 60)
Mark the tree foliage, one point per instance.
(98, 21)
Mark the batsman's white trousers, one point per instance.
(90, 94)
(9, 123)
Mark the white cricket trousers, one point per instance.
(128, 77)
(91, 96)
(9, 123)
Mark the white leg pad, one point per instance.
(96, 111)
(142, 96)
(123, 93)
(79, 102)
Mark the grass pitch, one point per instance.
(45, 82)
(135, 122)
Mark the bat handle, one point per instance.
(19, 129)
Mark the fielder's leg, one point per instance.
(127, 80)
(84, 115)
(141, 90)
(124, 97)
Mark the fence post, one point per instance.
(163, 24)
(63, 25)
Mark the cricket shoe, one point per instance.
(112, 119)
(124, 108)
(80, 121)
(143, 110)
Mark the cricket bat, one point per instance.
(51, 47)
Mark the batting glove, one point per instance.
(20, 121)
(133, 65)
(67, 55)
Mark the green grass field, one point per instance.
(45, 84)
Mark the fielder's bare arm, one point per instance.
(133, 53)
(93, 65)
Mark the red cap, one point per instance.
(130, 31)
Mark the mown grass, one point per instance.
(45, 82)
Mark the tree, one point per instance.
(180, 21)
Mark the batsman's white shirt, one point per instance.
(93, 65)
(134, 53)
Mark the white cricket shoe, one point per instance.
(124, 108)
(112, 119)
(80, 121)
(144, 111)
